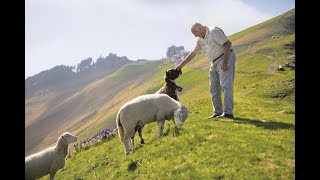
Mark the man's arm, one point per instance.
(226, 51)
(186, 60)
(219, 36)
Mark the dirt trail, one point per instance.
(272, 64)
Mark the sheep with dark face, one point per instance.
(50, 160)
(146, 109)
(170, 87)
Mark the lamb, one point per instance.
(50, 160)
(146, 109)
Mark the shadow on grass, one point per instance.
(265, 124)
(132, 166)
(291, 67)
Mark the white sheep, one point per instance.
(146, 109)
(50, 160)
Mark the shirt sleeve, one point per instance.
(198, 49)
(219, 36)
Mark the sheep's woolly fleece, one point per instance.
(50, 160)
(146, 109)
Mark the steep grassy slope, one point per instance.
(259, 143)
(281, 25)
(93, 106)
(139, 79)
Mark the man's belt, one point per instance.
(220, 56)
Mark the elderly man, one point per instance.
(222, 57)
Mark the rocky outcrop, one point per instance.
(172, 50)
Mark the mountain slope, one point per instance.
(78, 110)
(258, 144)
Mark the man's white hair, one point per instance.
(196, 25)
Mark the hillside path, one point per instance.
(270, 68)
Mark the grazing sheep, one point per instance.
(146, 109)
(170, 88)
(280, 68)
(50, 160)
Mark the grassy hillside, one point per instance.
(138, 80)
(281, 25)
(93, 108)
(259, 143)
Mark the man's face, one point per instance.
(198, 32)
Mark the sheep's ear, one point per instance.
(62, 136)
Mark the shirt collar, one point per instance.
(207, 32)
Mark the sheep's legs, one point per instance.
(132, 143)
(139, 129)
(160, 128)
(126, 146)
(132, 137)
(52, 175)
(129, 145)
(140, 134)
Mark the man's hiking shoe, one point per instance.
(226, 116)
(214, 116)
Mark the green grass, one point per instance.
(129, 71)
(259, 143)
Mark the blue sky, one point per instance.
(66, 32)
